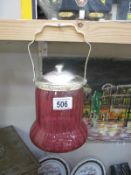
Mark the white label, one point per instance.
(81, 14)
(64, 103)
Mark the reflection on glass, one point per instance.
(50, 7)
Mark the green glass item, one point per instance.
(96, 104)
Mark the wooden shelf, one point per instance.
(96, 32)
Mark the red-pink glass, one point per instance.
(58, 130)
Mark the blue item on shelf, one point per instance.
(99, 6)
(92, 6)
(123, 9)
(69, 5)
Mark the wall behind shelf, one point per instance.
(17, 107)
(10, 9)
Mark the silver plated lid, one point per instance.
(60, 80)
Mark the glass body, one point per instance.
(58, 130)
(81, 3)
(50, 7)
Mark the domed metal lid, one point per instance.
(59, 77)
(60, 80)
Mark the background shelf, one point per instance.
(96, 32)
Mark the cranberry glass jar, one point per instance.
(59, 109)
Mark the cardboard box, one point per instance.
(15, 157)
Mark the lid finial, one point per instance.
(59, 68)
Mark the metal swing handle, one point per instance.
(59, 25)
